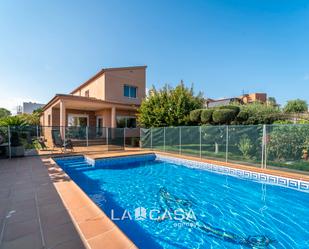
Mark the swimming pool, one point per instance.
(162, 202)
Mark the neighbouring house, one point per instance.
(110, 98)
(28, 107)
(243, 99)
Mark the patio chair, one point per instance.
(59, 143)
(42, 141)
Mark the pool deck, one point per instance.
(41, 207)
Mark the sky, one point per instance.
(223, 48)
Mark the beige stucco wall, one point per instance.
(110, 86)
(44, 118)
(95, 88)
(115, 81)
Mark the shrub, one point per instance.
(223, 116)
(195, 116)
(296, 106)
(13, 121)
(206, 116)
(235, 108)
(286, 142)
(260, 113)
(242, 117)
(245, 146)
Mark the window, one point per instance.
(126, 122)
(77, 120)
(48, 119)
(130, 91)
(87, 93)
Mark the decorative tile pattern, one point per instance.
(254, 176)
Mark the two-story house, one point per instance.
(110, 98)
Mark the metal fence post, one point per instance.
(37, 132)
(151, 138)
(107, 137)
(227, 144)
(9, 142)
(164, 139)
(140, 138)
(200, 128)
(87, 136)
(265, 146)
(124, 137)
(179, 139)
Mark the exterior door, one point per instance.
(99, 126)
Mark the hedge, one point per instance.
(206, 116)
(223, 116)
(235, 108)
(195, 116)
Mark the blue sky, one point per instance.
(222, 47)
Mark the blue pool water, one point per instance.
(220, 211)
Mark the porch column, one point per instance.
(113, 117)
(62, 119)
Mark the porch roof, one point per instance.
(85, 103)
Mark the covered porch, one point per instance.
(77, 117)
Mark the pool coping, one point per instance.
(94, 226)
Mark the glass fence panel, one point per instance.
(24, 140)
(213, 139)
(132, 137)
(172, 139)
(145, 138)
(96, 136)
(287, 146)
(115, 139)
(190, 141)
(157, 138)
(245, 144)
(76, 134)
(4, 142)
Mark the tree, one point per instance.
(258, 113)
(4, 113)
(31, 119)
(296, 106)
(169, 106)
(272, 101)
(13, 121)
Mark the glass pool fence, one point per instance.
(18, 141)
(263, 146)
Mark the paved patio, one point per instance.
(32, 215)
